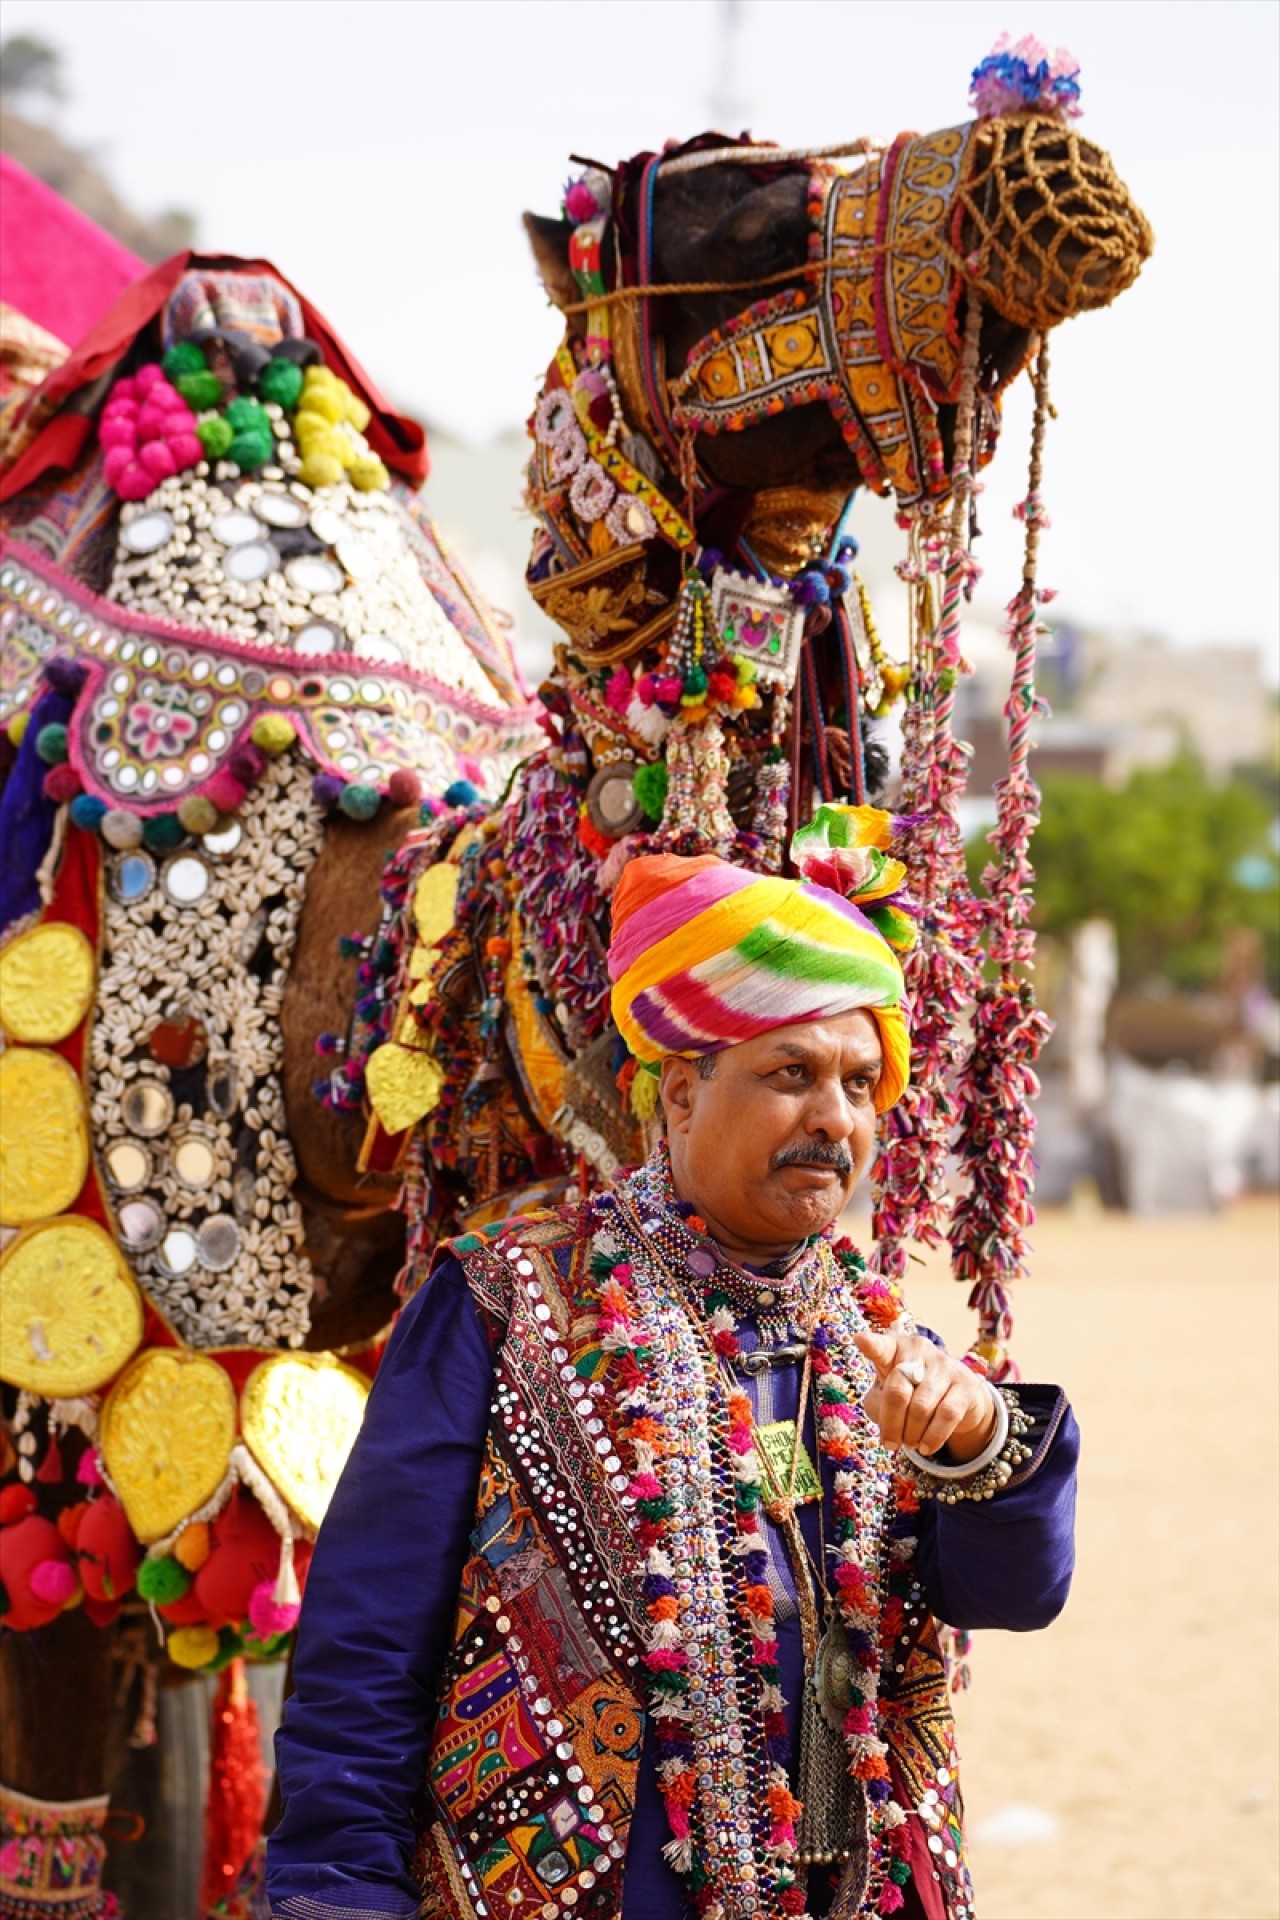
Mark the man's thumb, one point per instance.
(879, 1348)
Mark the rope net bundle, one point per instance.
(1050, 228)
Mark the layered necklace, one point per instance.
(701, 1482)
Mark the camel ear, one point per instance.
(550, 242)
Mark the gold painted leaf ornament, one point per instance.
(44, 1143)
(70, 1313)
(434, 903)
(403, 1083)
(47, 978)
(300, 1414)
(167, 1431)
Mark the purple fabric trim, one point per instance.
(26, 817)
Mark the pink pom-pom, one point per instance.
(580, 203)
(157, 459)
(152, 422)
(617, 692)
(124, 390)
(148, 377)
(404, 789)
(186, 450)
(891, 1897)
(646, 689)
(89, 1471)
(226, 792)
(116, 459)
(116, 432)
(61, 783)
(54, 1582)
(269, 1616)
(134, 483)
(668, 688)
(168, 397)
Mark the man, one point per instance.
(626, 1603)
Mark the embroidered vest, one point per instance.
(531, 1776)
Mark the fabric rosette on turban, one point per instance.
(706, 955)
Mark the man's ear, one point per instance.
(549, 240)
(675, 1090)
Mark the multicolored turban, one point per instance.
(706, 955)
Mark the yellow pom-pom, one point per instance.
(644, 1095)
(17, 727)
(274, 733)
(320, 470)
(368, 473)
(192, 1646)
(324, 401)
(357, 412)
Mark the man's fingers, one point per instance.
(946, 1416)
(924, 1407)
(881, 1349)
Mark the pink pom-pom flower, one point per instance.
(269, 1616)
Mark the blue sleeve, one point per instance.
(378, 1618)
(1007, 1562)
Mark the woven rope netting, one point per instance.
(1049, 228)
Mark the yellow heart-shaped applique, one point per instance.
(300, 1414)
(70, 1314)
(167, 1431)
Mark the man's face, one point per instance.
(770, 1146)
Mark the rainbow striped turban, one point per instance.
(706, 955)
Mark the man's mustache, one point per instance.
(815, 1153)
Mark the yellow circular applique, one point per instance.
(47, 978)
(44, 1144)
(300, 1414)
(70, 1314)
(403, 1083)
(167, 1431)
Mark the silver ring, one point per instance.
(912, 1370)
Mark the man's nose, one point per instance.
(828, 1111)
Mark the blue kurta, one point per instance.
(377, 1622)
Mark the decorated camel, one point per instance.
(752, 335)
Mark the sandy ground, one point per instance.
(1141, 1729)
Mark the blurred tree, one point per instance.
(29, 66)
(1173, 860)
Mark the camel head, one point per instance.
(812, 340)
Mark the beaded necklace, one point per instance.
(709, 1606)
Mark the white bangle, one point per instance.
(993, 1448)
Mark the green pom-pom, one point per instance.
(230, 1647)
(246, 415)
(215, 436)
(281, 382)
(250, 450)
(162, 832)
(186, 357)
(51, 743)
(162, 1581)
(359, 802)
(900, 1873)
(649, 784)
(200, 390)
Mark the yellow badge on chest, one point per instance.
(788, 1472)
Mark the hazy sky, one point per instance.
(381, 153)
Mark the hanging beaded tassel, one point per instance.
(998, 1081)
(909, 1178)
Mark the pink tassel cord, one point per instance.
(997, 1081)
